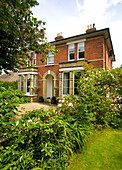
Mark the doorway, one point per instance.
(50, 86)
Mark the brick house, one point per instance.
(55, 77)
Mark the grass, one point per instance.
(102, 152)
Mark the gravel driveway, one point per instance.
(33, 106)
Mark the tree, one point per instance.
(20, 33)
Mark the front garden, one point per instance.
(48, 139)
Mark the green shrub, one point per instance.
(12, 84)
(46, 139)
(97, 89)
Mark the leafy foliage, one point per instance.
(97, 90)
(20, 33)
(7, 84)
(46, 139)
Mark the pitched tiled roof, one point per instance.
(12, 76)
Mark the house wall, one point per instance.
(94, 52)
(108, 58)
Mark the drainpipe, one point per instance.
(105, 51)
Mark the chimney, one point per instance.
(91, 28)
(59, 36)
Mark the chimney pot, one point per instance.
(59, 36)
(90, 28)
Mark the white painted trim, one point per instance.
(31, 72)
(49, 64)
(68, 53)
(73, 81)
(78, 52)
(78, 41)
(31, 94)
(71, 69)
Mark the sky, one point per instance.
(71, 17)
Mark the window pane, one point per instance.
(34, 59)
(21, 83)
(66, 83)
(50, 59)
(71, 52)
(28, 83)
(81, 55)
(34, 56)
(71, 56)
(81, 50)
(28, 62)
(76, 78)
(34, 84)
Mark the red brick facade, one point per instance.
(95, 44)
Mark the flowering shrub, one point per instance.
(97, 89)
(46, 139)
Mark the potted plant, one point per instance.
(53, 100)
(41, 99)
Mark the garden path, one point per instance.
(33, 106)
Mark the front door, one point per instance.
(50, 86)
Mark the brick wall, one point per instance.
(94, 51)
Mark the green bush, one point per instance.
(97, 89)
(46, 139)
(12, 84)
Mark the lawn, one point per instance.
(103, 151)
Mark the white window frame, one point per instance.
(50, 56)
(63, 82)
(34, 59)
(69, 46)
(34, 83)
(81, 50)
(74, 82)
(27, 93)
(21, 83)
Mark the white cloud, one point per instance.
(99, 12)
(73, 20)
(95, 11)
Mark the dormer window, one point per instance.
(81, 50)
(34, 59)
(71, 52)
(50, 59)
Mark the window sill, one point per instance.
(81, 58)
(31, 95)
(71, 60)
(49, 65)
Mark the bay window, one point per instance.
(28, 84)
(65, 83)
(21, 83)
(34, 84)
(75, 81)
